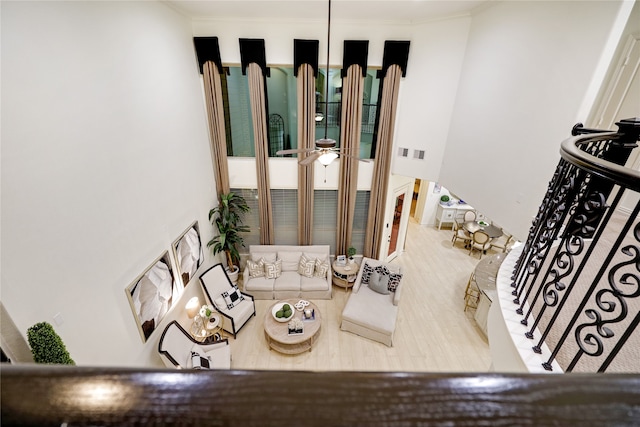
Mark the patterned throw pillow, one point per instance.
(322, 268)
(306, 266)
(256, 269)
(383, 270)
(273, 270)
(394, 281)
(200, 362)
(232, 297)
(367, 270)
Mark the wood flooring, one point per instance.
(433, 333)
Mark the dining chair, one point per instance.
(460, 233)
(503, 242)
(481, 241)
(470, 216)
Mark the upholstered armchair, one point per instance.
(178, 349)
(236, 307)
(371, 310)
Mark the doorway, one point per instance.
(395, 226)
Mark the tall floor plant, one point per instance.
(227, 219)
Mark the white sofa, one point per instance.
(371, 314)
(290, 284)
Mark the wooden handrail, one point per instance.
(77, 396)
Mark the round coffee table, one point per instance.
(277, 333)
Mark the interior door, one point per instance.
(395, 226)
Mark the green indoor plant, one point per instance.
(227, 220)
(47, 346)
(351, 253)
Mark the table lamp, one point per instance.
(192, 307)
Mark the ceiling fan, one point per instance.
(325, 150)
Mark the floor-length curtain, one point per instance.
(215, 115)
(351, 126)
(258, 111)
(306, 139)
(382, 166)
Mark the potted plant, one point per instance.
(227, 219)
(47, 346)
(444, 199)
(351, 253)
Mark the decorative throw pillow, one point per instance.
(306, 266)
(382, 269)
(232, 297)
(200, 362)
(273, 270)
(256, 269)
(379, 283)
(394, 281)
(322, 268)
(366, 273)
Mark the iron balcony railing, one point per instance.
(577, 281)
(334, 115)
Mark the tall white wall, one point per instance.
(529, 70)
(105, 161)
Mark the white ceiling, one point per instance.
(314, 10)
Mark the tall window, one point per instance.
(237, 111)
(325, 215)
(369, 113)
(333, 107)
(282, 104)
(285, 216)
(251, 218)
(360, 220)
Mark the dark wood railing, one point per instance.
(74, 396)
(577, 281)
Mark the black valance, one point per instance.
(207, 49)
(253, 50)
(355, 52)
(395, 53)
(305, 52)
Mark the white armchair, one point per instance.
(236, 307)
(178, 349)
(370, 313)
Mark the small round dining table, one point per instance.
(491, 230)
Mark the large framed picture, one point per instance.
(188, 253)
(152, 294)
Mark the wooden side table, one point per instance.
(345, 275)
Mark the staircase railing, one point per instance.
(577, 281)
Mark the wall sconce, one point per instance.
(192, 307)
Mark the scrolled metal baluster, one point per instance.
(631, 289)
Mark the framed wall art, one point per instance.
(152, 294)
(188, 253)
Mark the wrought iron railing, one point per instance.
(577, 281)
(334, 112)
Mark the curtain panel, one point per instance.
(215, 115)
(261, 141)
(352, 95)
(306, 84)
(382, 166)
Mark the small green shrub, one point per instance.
(47, 346)
(351, 252)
